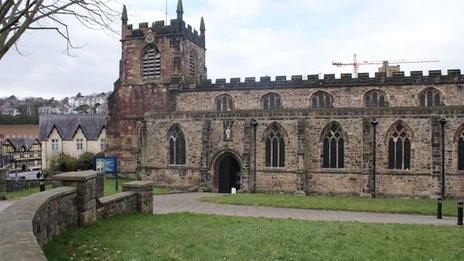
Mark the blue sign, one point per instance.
(106, 164)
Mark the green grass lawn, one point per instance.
(110, 187)
(161, 191)
(377, 205)
(13, 195)
(209, 237)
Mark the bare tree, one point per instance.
(19, 16)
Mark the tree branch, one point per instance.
(17, 16)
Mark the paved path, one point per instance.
(189, 202)
(4, 204)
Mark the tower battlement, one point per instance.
(176, 27)
(160, 29)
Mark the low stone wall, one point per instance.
(144, 191)
(32, 221)
(12, 185)
(122, 203)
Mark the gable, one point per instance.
(68, 125)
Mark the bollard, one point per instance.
(41, 179)
(460, 210)
(440, 208)
(42, 186)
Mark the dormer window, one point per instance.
(55, 145)
(79, 144)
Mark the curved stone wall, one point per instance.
(32, 221)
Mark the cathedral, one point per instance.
(388, 136)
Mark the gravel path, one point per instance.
(190, 202)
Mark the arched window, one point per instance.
(151, 63)
(192, 64)
(322, 99)
(275, 147)
(399, 147)
(461, 151)
(176, 146)
(333, 147)
(271, 101)
(375, 98)
(430, 97)
(224, 103)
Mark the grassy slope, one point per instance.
(110, 189)
(203, 237)
(377, 205)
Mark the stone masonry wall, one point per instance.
(299, 98)
(303, 162)
(121, 203)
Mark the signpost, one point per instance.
(109, 165)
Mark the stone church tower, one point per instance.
(154, 57)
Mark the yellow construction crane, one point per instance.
(385, 64)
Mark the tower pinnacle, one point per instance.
(202, 31)
(124, 15)
(180, 10)
(202, 26)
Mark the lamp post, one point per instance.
(443, 122)
(254, 125)
(374, 123)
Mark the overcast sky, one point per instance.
(251, 38)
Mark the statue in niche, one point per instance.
(228, 133)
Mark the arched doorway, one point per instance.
(228, 173)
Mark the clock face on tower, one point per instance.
(150, 37)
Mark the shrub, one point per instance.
(63, 163)
(85, 161)
(66, 163)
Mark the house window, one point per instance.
(151, 63)
(176, 146)
(55, 145)
(333, 147)
(375, 98)
(275, 148)
(192, 65)
(224, 103)
(322, 100)
(461, 151)
(271, 101)
(102, 144)
(399, 147)
(430, 97)
(80, 144)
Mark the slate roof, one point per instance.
(20, 142)
(67, 125)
